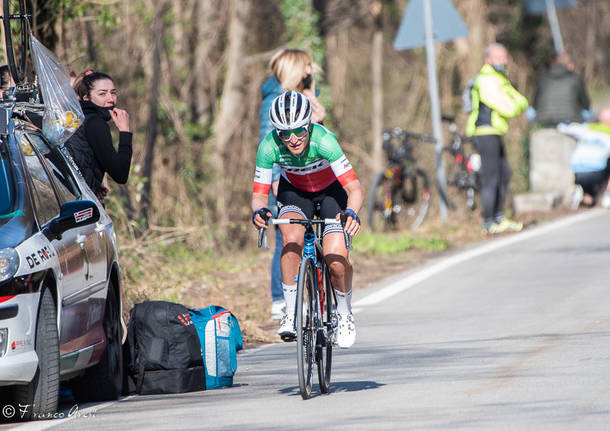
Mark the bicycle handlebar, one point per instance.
(262, 232)
(397, 132)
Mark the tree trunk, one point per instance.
(153, 104)
(377, 81)
(231, 110)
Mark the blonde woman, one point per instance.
(293, 69)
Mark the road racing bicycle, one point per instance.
(315, 311)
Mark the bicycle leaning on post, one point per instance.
(315, 315)
(463, 170)
(402, 191)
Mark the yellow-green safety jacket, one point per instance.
(494, 100)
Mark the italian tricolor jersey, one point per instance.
(322, 164)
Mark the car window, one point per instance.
(65, 182)
(45, 199)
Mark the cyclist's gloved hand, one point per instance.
(263, 215)
(352, 224)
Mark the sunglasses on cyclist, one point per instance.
(299, 132)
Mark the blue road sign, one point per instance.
(538, 7)
(447, 24)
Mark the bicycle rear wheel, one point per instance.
(380, 207)
(305, 319)
(415, 193)
(16, 29)
(325, 334)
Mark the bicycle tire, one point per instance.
(18, 71)
(324, 345)
(377, 216)
(305, 318)
(415, 192)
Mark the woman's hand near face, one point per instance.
(317, 110)
(120, 118)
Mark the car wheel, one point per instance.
(42, 393)
(104, 381)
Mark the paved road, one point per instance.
(510, 334)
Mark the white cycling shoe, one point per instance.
(346, 331)
(287, 331)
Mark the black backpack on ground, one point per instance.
(162, 353)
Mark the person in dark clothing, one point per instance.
(561, 95)
(91, 145)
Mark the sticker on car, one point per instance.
(83, 215)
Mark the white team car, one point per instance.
(60, 280)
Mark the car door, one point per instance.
(90, 238)
(77, 250)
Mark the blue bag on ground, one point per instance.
(220, 338)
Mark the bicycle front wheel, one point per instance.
(415, 193)
(305, 326)
(326, 333)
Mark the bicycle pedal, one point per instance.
(288, 337)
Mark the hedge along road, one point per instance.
(513, 333)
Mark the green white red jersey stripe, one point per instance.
(322, 163)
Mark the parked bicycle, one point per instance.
(463, 172)
(401, 193)
(315, 315)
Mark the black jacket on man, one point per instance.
(560, 97)
(92, 150)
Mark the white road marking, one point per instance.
(419, 276)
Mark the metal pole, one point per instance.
(554, 23)
(434, 106)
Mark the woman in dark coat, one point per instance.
(91, 146)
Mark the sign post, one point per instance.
(441, 23)
(539, 7)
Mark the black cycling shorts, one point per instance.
(332, 200)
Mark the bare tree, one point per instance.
(232, 106)
(377, 82)
(153, 104)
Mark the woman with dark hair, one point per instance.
(91, 145)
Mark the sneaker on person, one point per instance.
(508, 224)
(346, 331)
(606, 199)
(286, 330)
(576, 198)
(277, 309)
(494, 228)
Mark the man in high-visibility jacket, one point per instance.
(494, 100)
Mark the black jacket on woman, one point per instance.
(92, 150)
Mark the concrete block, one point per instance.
(539, 202)
(550, 169)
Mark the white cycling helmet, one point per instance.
(290, 110)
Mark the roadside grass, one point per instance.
(374, 244)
